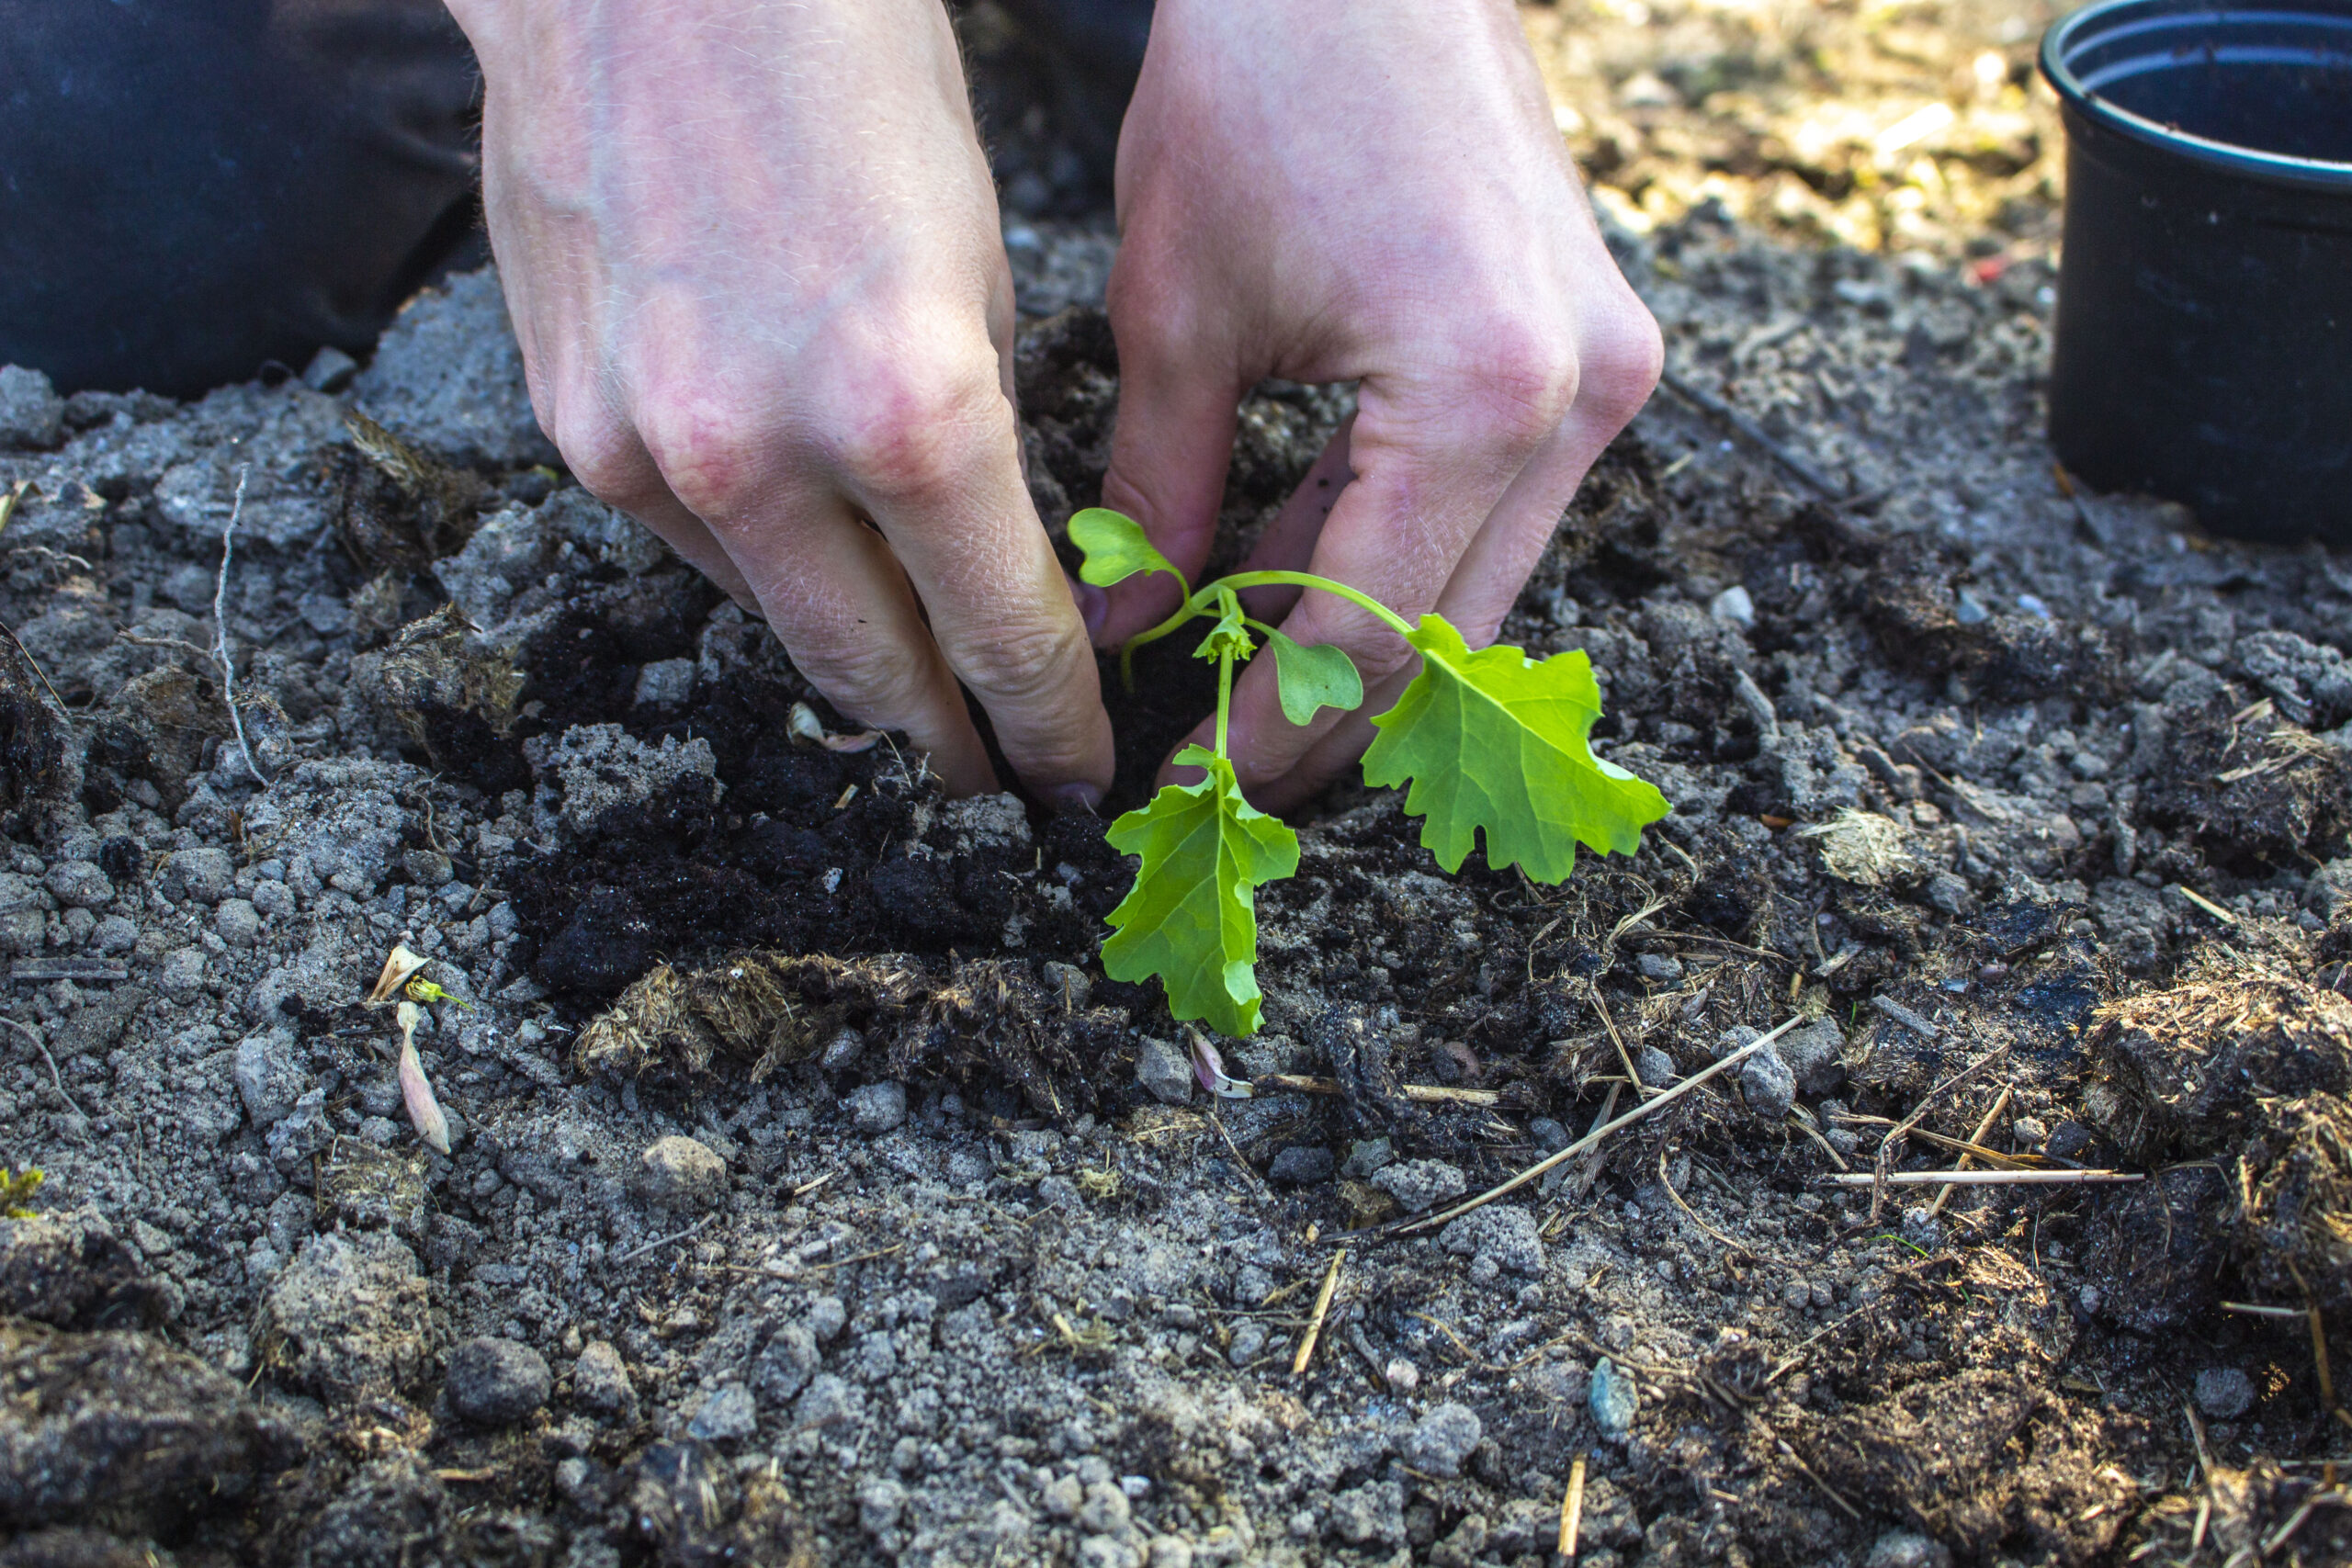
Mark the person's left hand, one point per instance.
(1373, 192)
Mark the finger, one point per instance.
(1432, 462)
(1288, 543)
(946, 490)
(1486, 582)
(841, 603)
(1170, 451)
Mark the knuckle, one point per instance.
(1021, 662)
(914, 430)
(1622, 363)
(1527, 378)
(600, 450)
(708, 451)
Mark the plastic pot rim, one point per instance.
(2226, 157)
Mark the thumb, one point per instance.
(1169, 453)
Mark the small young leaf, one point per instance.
(1493, 740)
(1319, 677)
(1230, 635)
(1115, 547)
(1191, 917)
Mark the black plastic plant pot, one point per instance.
(2204, 336)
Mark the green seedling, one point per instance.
(17, 1189)
(1491, 743)
(426, 991)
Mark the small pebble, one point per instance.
(497, 1382)
(680, 1173)
(1734, 605)
(1904, 1549)
(1611, 1396)
(1301, 1165)
(1402, 1375)
(1443, 1440)
(730, 1413)
(877, 1108)
(1165, 1071)
(1663, 967)
(1770, 1086)
(2224, 1392)
(1655, 1066)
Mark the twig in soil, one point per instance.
(1890, 1008)
(221, 654)
(2254, 1310)
(1987, 1178)
(1748, 430)
(1789, 1362)
(1641, 1090)
(1807, 1471)
(1729, 1245)
(1888, 1145)
(1665, 1099)
(1793, 1120)
(55, 1077)
(1591, 1171)
(1983, 1131)
(2335, 1499)
(1322, 1310)
(2205, 904)
(1572, 1509)
(2319, 1344)
(634, 1253)
(1425, 1093)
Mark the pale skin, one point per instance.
(751, 252)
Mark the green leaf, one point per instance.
(1115, 547)
(1493, 740)
(1191, 919)
(1230, 635)
(1319, 677)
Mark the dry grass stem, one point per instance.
(1667, 1097)
(1717, 1236)
(1988, 1179)
(221, 654)
(1572, 1509)
(1322, 1310)
(1983, 1129)
(1888, 1145)
(634, 1253)
(2205, 904)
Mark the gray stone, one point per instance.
(1949, 892)
(1550, 1135)
(828, 1401)
(497, 1382)
(330, 370)
(207, 875)
(114, 933)
(1301, 1165)
(1906, 1549)
(1655, 1066)
(32, 413)
(182, 975)
(1418, 1184)
(879, 1504)
(1061, 1498)
(1443, 1440)
(237, 922)
(270, 1076)
(1165, 1070)
(79, 885)
(1663, 967)
(1105, 1510)
(678, 1173)
(1367, 1156)
(877, 1108)
(785, 1363)
(730, 1413)
(1812, 1052)
(1504, 1232)
(1611, 1396)
(600, 1379)
(2224, 1392)
(449, 377)
(827, 1318)
(665, 684)
(1769, 1085)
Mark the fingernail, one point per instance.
(1074, 797)
(1093, 606)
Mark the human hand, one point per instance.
(751, 252)
(1371, 192)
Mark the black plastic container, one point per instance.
(2204, 332)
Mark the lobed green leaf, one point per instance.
(1191, 917)
(1115, 547)
(1494, 743)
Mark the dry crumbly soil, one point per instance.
(813, 1198)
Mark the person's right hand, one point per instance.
(752, 256)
